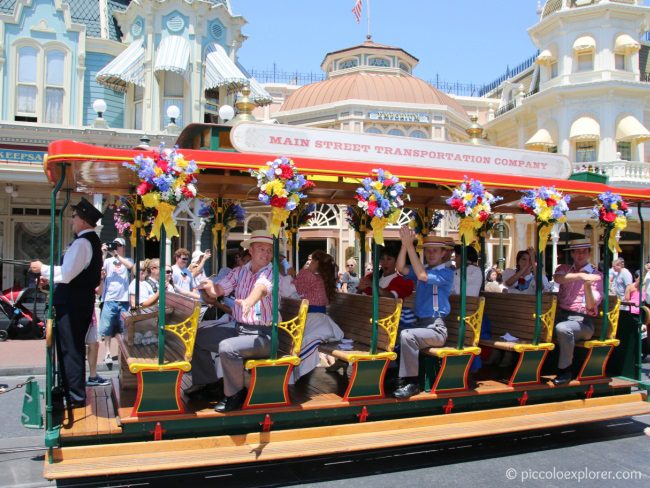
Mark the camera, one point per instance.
(112, 246)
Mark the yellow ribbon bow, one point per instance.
(278, 217)
(467, 229)
(544, 233)
(164, 218)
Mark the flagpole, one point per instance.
(369, 36)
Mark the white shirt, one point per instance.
(182, 278)
(146, 291)
(474, 280)
(116, 283)
(529, 286)
(77, 258)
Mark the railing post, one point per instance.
(375, 296)
(161, 300)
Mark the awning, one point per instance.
(625, 43)
(220, 71)
(173, 55)
(584, 44)
(546, 56)
(127, 68)
(630, 129)
(585, 129)
(541, 139)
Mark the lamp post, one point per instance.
(500, 229)
(99, 106)
(173, 112)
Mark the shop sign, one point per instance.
(398, 116)
(20, 156)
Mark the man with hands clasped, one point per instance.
(433, 284)
(581, 291)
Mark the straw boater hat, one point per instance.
(578, 244)
(262, 236)
(438, 241)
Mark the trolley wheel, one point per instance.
(4, 335)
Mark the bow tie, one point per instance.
(75, 236)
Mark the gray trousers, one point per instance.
(251, 342)
(207, 342)
(571, 327)
(428, 332)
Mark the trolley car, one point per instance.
(145, 423)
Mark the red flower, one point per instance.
(144, 188)
(550, 202)
(461, 209)
(483, 216)
(388, 182)
(287, 172)
(308, 185)
(479, 199)
(186, 192)
(163, 164)
(279, 202)
(372, 206)
(456, 203)
(623, 206)
(606, 216)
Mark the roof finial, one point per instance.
(539, 8)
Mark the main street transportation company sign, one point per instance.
(398, 151)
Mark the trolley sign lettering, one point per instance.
(298, 142)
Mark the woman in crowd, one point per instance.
(149, 280)
(316, 283)
(494, 282)
(522, 278)
(632, 296)
(474, 273)
(350, 278)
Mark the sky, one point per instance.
(466, 41)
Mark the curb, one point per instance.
(40, 370)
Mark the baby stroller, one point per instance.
(24, 309)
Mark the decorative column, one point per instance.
(555, 238)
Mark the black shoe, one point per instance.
(76, 403)
(563, 377)
(233, 402)
(406, 391)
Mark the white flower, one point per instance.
(191, 187)
(278, 171)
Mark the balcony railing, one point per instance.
(620, 172)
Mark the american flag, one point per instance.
(356, 10)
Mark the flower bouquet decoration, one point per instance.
(611, 211)
(381, 199)
(424, 222)
(473, 204)
(222, 216)
(282, 187)
(127, 219)
(359, 221)
(548, 206)
(165, 180)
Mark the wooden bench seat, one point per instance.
(269, 385)
(598, 352)
(353, 314)
(450, 371)
(158, 383)
(515, 314)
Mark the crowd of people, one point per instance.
(236, 303)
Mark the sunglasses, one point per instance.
(184, 259)
(169, 271)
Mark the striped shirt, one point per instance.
(242, 280)
(572, 295)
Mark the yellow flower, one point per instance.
(614, 206)
(377, 185)
(540, 203)
(181, 162)
(545, 214)
(151, 200)
(467, 197)
(157, 171)
(274, 187)
(177, 183)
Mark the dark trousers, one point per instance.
(72, 322)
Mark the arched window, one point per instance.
(255, 223)
(584, 48)
(324, 216)
(418, 134)
(395, 132)
(54, 87)
(26, 87)
(372, 130)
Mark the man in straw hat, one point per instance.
(74, 298)
(252, 311)
(581, 291)
(433, 284)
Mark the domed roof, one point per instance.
(370, 86)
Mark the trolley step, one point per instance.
(162, 455)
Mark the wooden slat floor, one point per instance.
(97, 418)
(75, 462)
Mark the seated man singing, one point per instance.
(252, 311)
